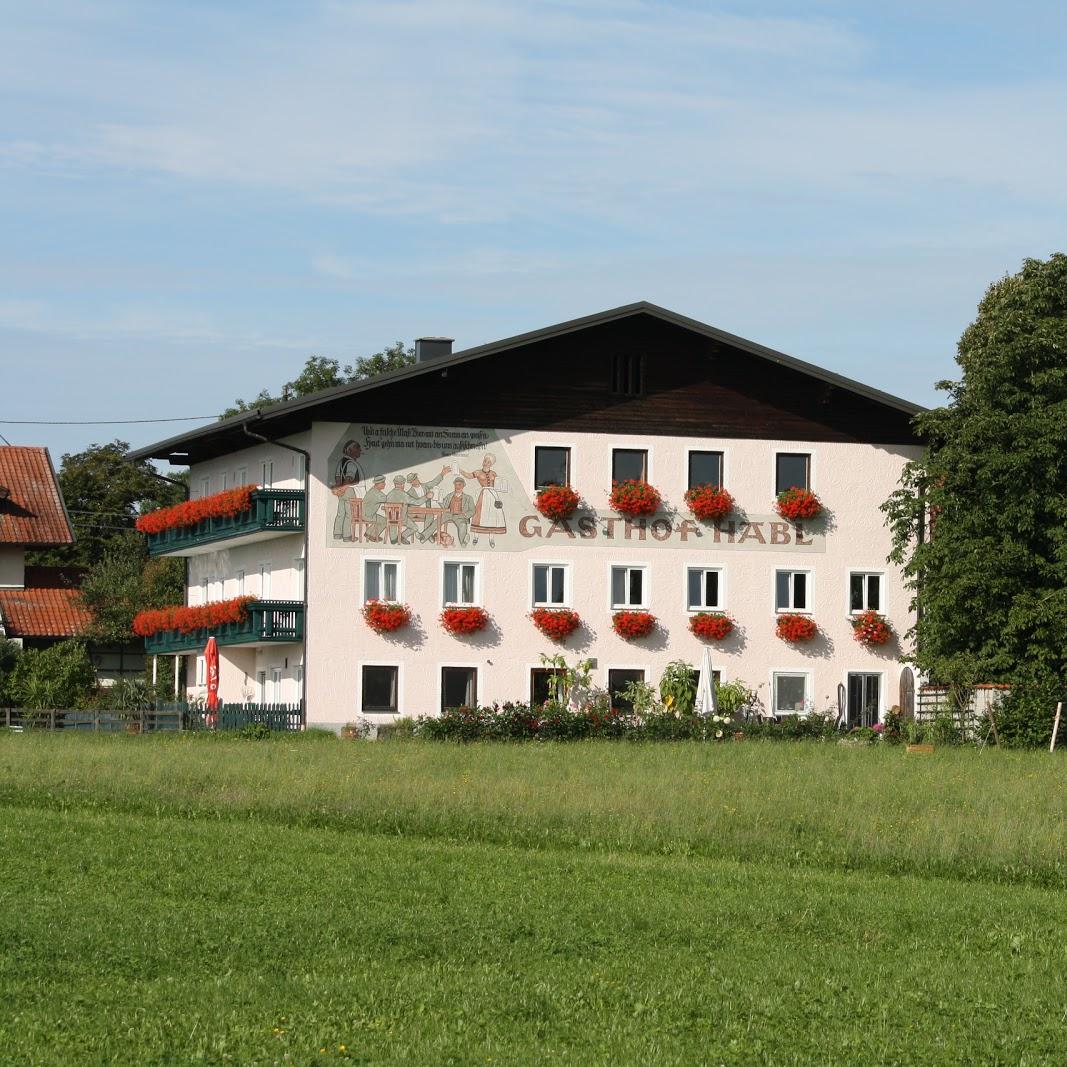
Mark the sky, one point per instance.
(196, 197)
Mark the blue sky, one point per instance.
(195, 197)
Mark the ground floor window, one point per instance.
(459, 687)
(541, 684)
(790, 693)
(379, 691)
(618, 679)
(864, 699)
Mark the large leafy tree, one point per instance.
(322, 373)
(980, 522)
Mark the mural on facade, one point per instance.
(434, 488)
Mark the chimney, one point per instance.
(431, 348)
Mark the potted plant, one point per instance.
(224, 505)
(796, 628)
(384, 617)
(460, 621)
(557, 502)
(634, 498)
(709, 502)
(870, 628)
(631, 625)
(796, 504)
(555, 623)
(711, 625)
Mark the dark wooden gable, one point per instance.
(694, 386)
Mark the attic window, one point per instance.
(627, 374)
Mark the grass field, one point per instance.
(304, 901)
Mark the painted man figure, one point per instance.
(372, 508)
(398, 496)
(347, 482)
(421, 494)
(457, 508)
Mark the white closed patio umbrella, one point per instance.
(706, 703)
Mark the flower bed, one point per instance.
(187, 619)
(796, 628)
(634, 498)
(224, 505)
(384, 617)
(711, 625)
(557, 502)
(870, 628)
(796, 503)
(556, 623)
(460, 621)
(709, 502)
(630, 625)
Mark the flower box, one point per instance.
(384, 617)
(556, 623)
(796, 628)
(631, 625)
(634, 498)
(224, 505)
(186, 620)
(709, 502)
(796, 504)
(711, 625)
(870, 628)
(557, 502)
(462, 621)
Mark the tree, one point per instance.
(104, 492)
(980, 521)
(321, 373)
(61, 676)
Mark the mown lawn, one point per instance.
(222, 901)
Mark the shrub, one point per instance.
(1025, 713)
(254, 731)
(557, 502)
(634, 498)
(383, 616)
(58, 677)
(709, 502)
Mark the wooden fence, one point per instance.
(161, 719)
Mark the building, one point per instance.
(418, 487)
(38, 605)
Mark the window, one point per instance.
(379, 690)
(864, 591)
(791, 591)
(705, 468)
(541, 684)
(240, 583)
(201, 671)
(274, 696)
(261, 686)
(552, 466)
(205, 487)
(264, 581)
(381, 580)
(704, 588)
(268, 474)
(214, 588)
(459, 687)
(550, 585)
(863, 699)
(618, 680)
(461, 583)
(298, 578)
(203, 590)
(628, 587)
(629, 464)
(792, 469)
(240, 476)
(790, 694)
(224, 482)
(628, 373)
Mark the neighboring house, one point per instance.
(40, 605)
(421, 489)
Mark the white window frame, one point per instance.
(567, 585)
(384, 558)
(642, 667)
(535, 445)
(720, 570)
(240, 476)
(463, 666)
(808, 689)
(800, 450)
(881, 609)
(205, 587)
(204, 481)
(267, 470)
(239, 578)
(645, 584)
(809, 584)
(399, 687)
(707, 448)
(274, 680)
(298, 577)
(460, 561)
(264, 571)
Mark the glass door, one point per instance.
(864, 700)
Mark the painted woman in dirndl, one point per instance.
(489, 509)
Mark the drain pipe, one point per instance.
(307, 555)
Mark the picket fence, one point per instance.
(161, 719)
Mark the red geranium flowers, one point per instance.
(710, 502)
(222, 505)
(556, 623)
(557, 502)
(383, 616)
(461, 621)
(186, 620)
(630, 625)
(634, 498)
(796, 628)
(796, 503)
(711, 625)
(870, 628)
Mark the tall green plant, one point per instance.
(58, 677)
(678, 687)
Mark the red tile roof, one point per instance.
(48, 612)
(31, 509)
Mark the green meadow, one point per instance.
(305, 900)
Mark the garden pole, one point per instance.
(1056, 726)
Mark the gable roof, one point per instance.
(47, 612)
(293, 415)
(32, 511)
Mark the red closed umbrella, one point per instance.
(211, 661)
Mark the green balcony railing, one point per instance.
(268, 621)
(273, 511)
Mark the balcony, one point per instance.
(268, 622)
(273, 513)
